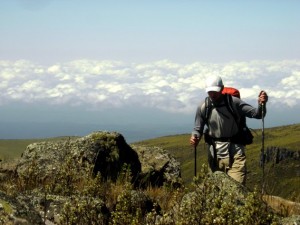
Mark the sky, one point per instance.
(139, 67)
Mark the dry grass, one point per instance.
(282, 206)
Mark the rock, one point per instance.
(19, 210)
(158, 167)
(106, 152)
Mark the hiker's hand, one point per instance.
(194, 140)
(262, 98)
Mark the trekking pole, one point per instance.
(263, 149)
(195, 155)
(195, 169)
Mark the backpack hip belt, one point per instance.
(222, 139)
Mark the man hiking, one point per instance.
(225, 152)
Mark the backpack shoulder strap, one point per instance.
(208, 108)
(230, 108)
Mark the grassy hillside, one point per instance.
(11, 149)
(281, 179)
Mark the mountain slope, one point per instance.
(281, 179)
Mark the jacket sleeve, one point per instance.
(248, 110)
(199, 120)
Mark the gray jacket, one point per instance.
(221, 122)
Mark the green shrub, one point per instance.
(208, 204)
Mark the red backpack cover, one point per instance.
(232, 91)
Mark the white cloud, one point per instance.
(31, 85)
(163, 84)
(292, 81)
(54, 69)
(6, 74)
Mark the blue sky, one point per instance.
(50, 31)
(70, 67)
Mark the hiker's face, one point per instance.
(214, 96)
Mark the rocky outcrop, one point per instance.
(107, 153)
(277, 154)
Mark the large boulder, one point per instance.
(105, 152)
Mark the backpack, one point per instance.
(244, 135)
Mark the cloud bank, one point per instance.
(163, 85)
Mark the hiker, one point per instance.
(225, 153)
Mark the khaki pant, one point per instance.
(235, 169)
(234, 166)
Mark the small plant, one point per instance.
(82, 211)
(125, 212)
